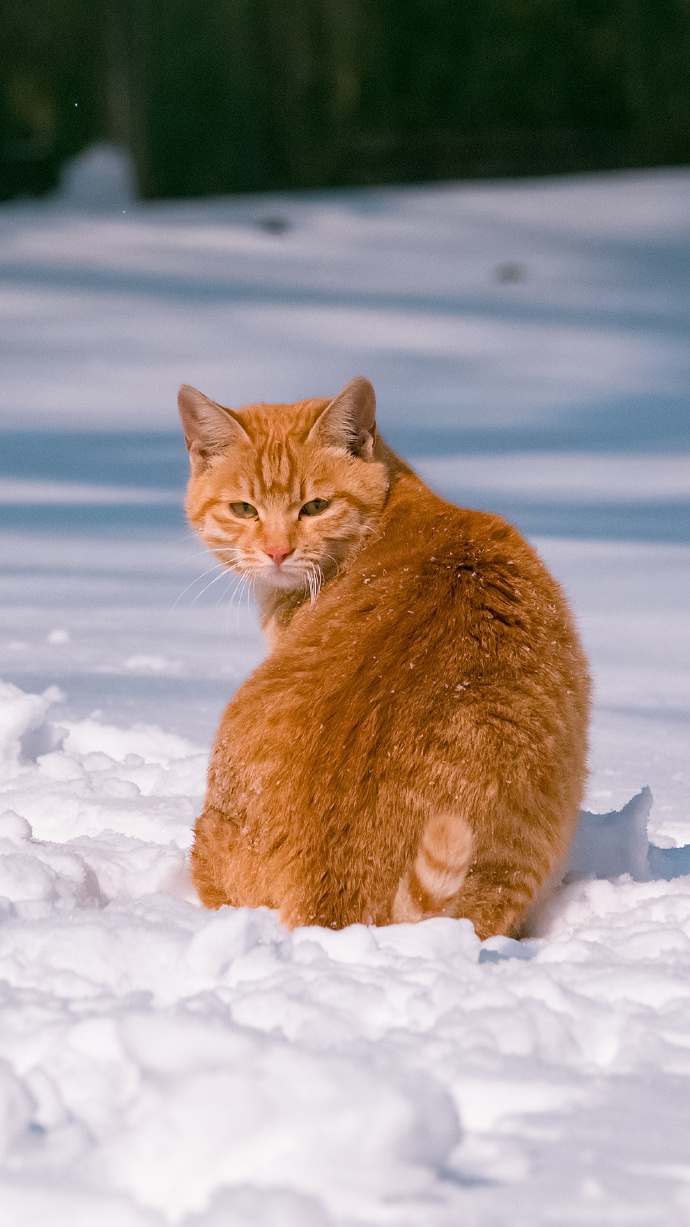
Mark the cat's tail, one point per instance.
(431, 883)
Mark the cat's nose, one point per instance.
(278, 556)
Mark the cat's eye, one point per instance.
(244, 511)
(315, 506)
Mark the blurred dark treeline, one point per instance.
(215, 96)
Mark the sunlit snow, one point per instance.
(161, 1065)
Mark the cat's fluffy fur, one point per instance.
(415, 743)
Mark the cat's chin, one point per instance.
(283, 579)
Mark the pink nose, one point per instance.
(278, 556)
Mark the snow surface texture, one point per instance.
(163, 1066)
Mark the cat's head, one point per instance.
(283, 493)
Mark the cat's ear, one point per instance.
(208, 428)
(349, 420)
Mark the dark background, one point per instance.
(219, 96)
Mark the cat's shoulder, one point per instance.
(437, 556)
(434, 530)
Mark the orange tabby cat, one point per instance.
(415, 743)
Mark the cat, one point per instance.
(415, 743)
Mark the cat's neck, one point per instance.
(395, 464)
(277, 606)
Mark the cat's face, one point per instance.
(280, 498)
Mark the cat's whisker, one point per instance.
(216, 567)
(181, 562)
(237, 592)
(223, 572)
(192, 535)
(316, 581)
(233, 592)
(314, 577)
(232, 551)
(240, 581)
(244, 590)
(196, 536)
(335, 562)
(227, 549)
(251, 594)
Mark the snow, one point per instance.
(161, 1065)
(100, 178)
(405, 285)
(52, 492)
(580, 477)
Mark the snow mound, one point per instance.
(83, 778)
(100, 179)
(162, 1065)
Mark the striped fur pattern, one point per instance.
(415, 743)
(432, 882)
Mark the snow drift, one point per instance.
(166, 1065)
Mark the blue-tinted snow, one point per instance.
(104, 314)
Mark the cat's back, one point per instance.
(439, 598)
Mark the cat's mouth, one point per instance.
(283, 577)
(288, 574)
(307, 574)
